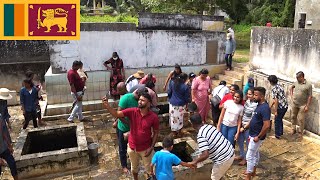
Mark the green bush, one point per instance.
(108, 18)
(108, 9)
(242, 34)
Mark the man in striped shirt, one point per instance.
(212, 145)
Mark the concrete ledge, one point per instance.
(164, 21)
(14, 101)
(306, 132)
(107, 27)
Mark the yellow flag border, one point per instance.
(26, 3)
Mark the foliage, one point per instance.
(108, 18)
(242, 34)
(236, 9)
(254, 12)
(278, 12)
(108, 9)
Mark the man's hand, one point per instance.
(191, 165)
(79, 98)
(10, 147)
(236, 136)
(23, 111)
(256, 139)
(105, 101)
(306, 108)
(148, 152)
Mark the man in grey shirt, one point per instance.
(230, 48)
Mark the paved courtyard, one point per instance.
(287, 158)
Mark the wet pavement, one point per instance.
(286, 158)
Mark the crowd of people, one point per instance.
(239, 116)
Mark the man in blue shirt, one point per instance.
(230, 48)
(259, 126)
(28, 101)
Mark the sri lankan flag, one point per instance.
(39, 20)
(13, 20)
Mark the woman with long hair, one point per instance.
(172, 75)
(178, 93)
(248, 110)
(201, 88)
(231, 116)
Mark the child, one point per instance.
(83, 75)
(4, 96)
(164, 160)
(28, 101)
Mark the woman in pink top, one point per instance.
(201, 88)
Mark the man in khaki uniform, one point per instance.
(301, 93)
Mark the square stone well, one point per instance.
(184, 148)
(50, 150)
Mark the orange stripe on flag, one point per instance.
(19, 19)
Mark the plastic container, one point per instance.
(93, 149)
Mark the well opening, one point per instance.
(50, 140)
(180, 149)
(163, 108)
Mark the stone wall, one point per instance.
(58, 89)
(162, 21)
(285, 51)
(312, 122)
(138, 49)
(17, 57)
(311, 8)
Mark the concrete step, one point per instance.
(240, 65)
(215, 82)
(94, 105)
(239, 69)
(234, 74)
(229, 79)
(162, 97)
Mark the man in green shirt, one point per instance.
(301, 94)
(126, 101)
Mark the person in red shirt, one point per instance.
(269, 24)
(77, 86)
(230, 95)
(144, 130)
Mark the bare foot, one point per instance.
(42, 123)
(253, 174)
(238, 158)
(243, 162)
(125, 170)
(2, 163)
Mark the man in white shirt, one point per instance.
(133, 80)
(220, 90)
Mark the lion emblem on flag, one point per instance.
(50, 19)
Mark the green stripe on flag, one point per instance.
(9, 20)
